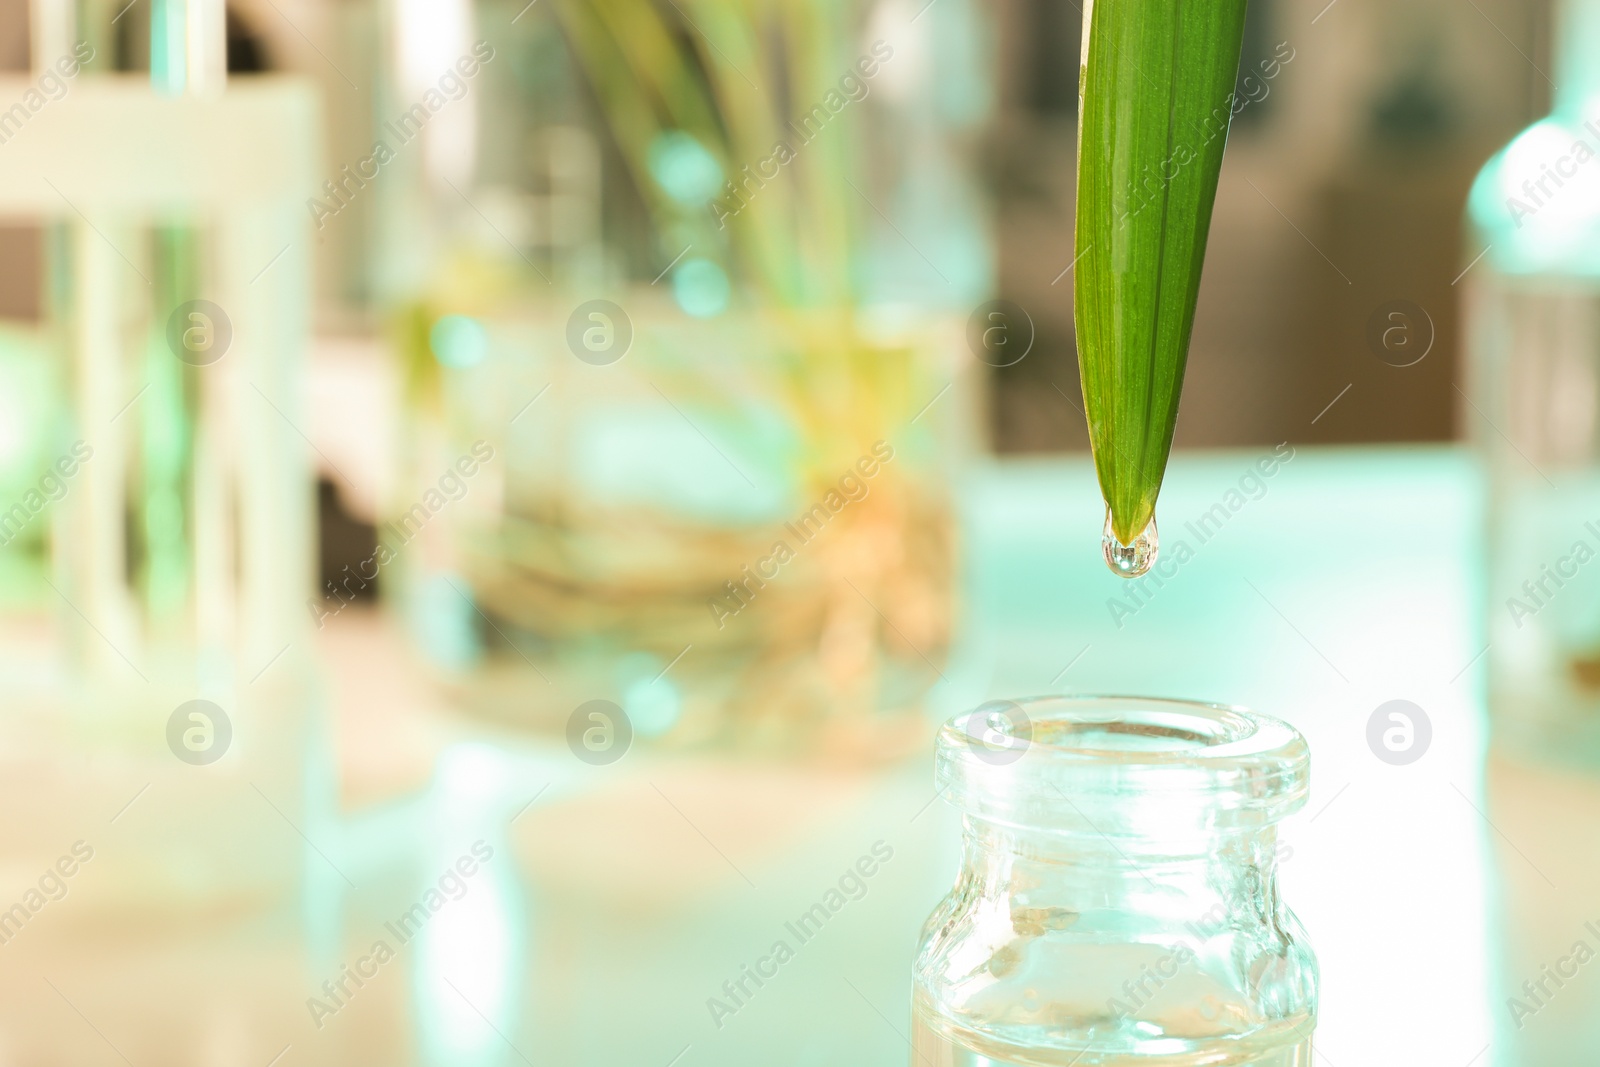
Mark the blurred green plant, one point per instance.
(698, 96)
(690, 115)
(1158, 79)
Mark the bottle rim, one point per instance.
(1122, 765)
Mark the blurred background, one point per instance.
(496, 497)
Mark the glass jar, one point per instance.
(685, 327)
(1118, 896)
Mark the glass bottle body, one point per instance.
(1109, 925)
(933, 1046)
(1535, 354)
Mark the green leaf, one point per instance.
(1157, 93)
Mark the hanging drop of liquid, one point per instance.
(1130, 561)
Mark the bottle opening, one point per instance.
(1142, 731)
(1122, 764)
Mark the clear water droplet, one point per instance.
(1130, 561)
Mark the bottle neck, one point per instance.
(1191, 881)
(1577, 51)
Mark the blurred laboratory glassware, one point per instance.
(171, 539)
(687, 349)
(1532, 306)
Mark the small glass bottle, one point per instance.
(1118, 896)
(1532, 312)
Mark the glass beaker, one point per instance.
(1118, 901)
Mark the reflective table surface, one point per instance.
(424, 888)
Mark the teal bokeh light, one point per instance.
(701, 288)
(653, 701)
(458, 341)
(683, 168)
